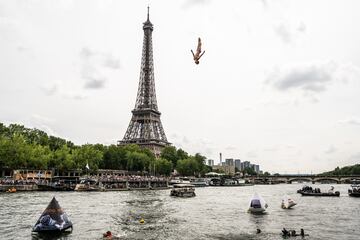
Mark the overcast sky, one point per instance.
(278, 85)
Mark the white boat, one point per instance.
(287, 202)
(183, 190)
(257, 204)
(200, 182)
(182, 180)
(89, 185)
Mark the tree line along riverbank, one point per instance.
(22, 147)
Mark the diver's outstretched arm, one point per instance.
(201, 54)
(192, 53)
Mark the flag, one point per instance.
(87, 166)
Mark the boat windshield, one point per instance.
(255, 203)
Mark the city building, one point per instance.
(238, 164)
(228, 170)
(246, 165)
(210, 162)
(257, 168)
(229, 162)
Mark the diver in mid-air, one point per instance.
(198, 53)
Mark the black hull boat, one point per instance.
(55, 187)
(53, 220)
(320, 194)
(354, 191)
(316, 192)
(352, 194)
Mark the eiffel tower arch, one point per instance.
(145, 128)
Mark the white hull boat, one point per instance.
(287, 203)
(183, 190)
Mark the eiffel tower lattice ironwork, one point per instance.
(145, 128)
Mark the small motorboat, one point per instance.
(181, 180)
(89, 184)
(183, 190)
(53, 219)
(287, 203)
(257, 204)
(309, 191)
(200, 182)
(354, 191)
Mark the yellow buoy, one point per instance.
(142, 221)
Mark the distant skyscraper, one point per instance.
(246, 164)
(229, 162)
(238, 164)
(257, 168)
(210, 162)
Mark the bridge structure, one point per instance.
(303, 178)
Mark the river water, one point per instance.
(215, 213)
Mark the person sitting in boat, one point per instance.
(331, 190)
(285, 232)
(302, 233)
(107, 235)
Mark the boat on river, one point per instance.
(89, 184)
(179, 180)
(354, 191)
(53, 219)
(257, 204)
(183, 190)
(200, 182)
(316, 192)
(57, 184)
(287, 202)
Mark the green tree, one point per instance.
(55, 143)
(114, 158)
(163, 166)
(250, 171)
(137, 161)
(181, 154)
(62, 159)
(188, 167)
(169, 153)
(87, 154)
(39, 157)
(14, 152)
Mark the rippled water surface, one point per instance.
(215, 213)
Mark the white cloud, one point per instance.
(283, 32)
(311, 78)
(192, 3)
(307, 77)
(351, 121)
(330, 150)
(288, 32)
(91, 70)
(49, 90)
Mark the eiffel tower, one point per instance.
(145, 128)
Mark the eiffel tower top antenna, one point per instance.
(148, 13)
